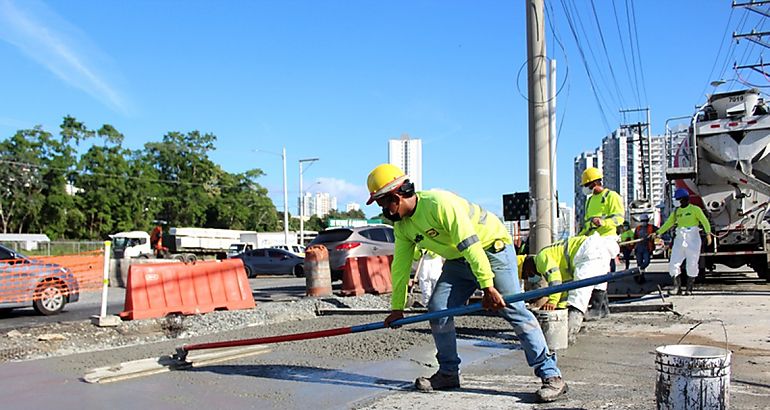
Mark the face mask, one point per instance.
(587, 191)
(533, 279)
(683, 203)
(395, 217)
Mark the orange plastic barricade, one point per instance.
(351, 277)
(318, 278)
(157, 290)
(376, 279)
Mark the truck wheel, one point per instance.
(180, 258)
(49, 298)
(190, 258)
(249, 273)
(299, 271)
(760, 266)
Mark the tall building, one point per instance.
(318, 204)
(566, 222)
(585, 160)
(352, 206)
(406, 153)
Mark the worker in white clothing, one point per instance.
(687, 218)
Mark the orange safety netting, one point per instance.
(23, 280)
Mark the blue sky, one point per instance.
(337, 79)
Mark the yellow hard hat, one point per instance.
(383, 179)
(591, 174)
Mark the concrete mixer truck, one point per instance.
(722, 157)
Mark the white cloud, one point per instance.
(60, 47)
(344, 191)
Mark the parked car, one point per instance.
(298, 250)
(343, 243)
(24, 282)
(272, 261)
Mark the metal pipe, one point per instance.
(181, 352)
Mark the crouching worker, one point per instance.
(478, 254)
(575, 258)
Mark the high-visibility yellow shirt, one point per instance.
(627, 235)
(556, 262)
(450, 226)
(608, 206)
(686, 217)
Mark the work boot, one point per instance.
(690, 282)
(552, 389)
(676, 287)
(439, 381)
(574, 323)
(599, 306)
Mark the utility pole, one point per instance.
(646, 160)
(540, 229)
(756, 37)
(552, 143)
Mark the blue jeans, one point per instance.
(457, 283)
(642, 256)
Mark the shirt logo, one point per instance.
(418, 238)
(432, 232)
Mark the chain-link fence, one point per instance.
(54, 248)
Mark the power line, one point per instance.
(591, 81)
(592, 56)
(716, 58)
(633, 55)
(639, 53)
(607, 54)
(625, 57)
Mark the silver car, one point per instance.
(343, 243)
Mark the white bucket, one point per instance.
(692, 377)
(555, 328)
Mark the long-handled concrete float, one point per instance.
(183, 359)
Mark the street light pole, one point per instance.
(302, 202)
(285, 200)
(285, 194)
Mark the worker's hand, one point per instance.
(392, 317)
(708, 239)
(492, 300)
(596, 221)
(548, 306)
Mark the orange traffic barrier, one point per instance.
(157, 290)
(351, 277)
(376, 278)
(318, 278)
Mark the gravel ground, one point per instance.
(67, 338)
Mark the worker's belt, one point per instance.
(496, 247)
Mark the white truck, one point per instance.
(255, 240)
(184, 244)
(723, 160)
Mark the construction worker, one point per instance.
(643, 249)
(479, 255)
(429, 266)
(626, 234)
(603, 214)
(687, 243)
(575, 258)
